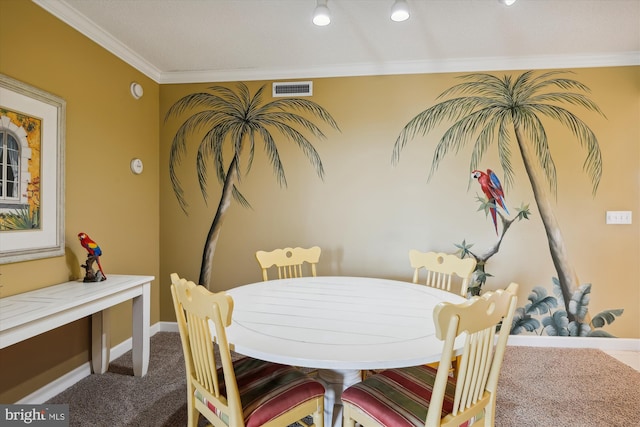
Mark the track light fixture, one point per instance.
(321, 15)
(400, 11)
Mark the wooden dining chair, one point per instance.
(442, 270)
(245, 392)
(289, 262)
(426, 396)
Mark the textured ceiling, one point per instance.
(176, 41)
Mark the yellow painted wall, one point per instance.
(105, 129)
(367, 213)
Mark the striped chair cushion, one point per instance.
(267, 390)
(224, 417)
(400, 397)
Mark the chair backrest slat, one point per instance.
(441, 268)
(289, 262)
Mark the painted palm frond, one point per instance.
(493, 106)
(235, 116)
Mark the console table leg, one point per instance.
(140, 336)
(100, 343)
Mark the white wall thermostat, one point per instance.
(136, 166)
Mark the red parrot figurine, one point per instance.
(491, 187)
(93, 249)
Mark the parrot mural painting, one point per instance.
(93, 255)
(510, 113)
(491, 187)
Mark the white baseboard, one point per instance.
(59, 385)
(67, 380)
(168, 327)
(606, 344)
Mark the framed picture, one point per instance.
(32, 136)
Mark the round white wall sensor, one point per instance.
(136, 90)
(136, 166)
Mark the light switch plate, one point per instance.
(618, 217)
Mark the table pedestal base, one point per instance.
(335, 382)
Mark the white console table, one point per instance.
(28, 314)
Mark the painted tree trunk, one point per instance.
(566, 275)
(479, 274)
(216, 225)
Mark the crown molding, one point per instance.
(408, 67)
(61, 10)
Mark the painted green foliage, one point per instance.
(20, 219)
(541, 315)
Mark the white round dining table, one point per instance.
(339, 325)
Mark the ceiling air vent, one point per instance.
(292, 89)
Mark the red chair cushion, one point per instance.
(400, 397)
(267, 390)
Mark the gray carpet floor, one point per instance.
(548, 387)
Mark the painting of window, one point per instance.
(19, 171)
(31, 172)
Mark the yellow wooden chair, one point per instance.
(289, 262)
(426, 396)
(246, 392)
(443, 270)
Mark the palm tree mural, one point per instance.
(235, 121)
(488, 110)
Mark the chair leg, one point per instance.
(489, 414)
(347, 421)
(193, 414)
(318, 416)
